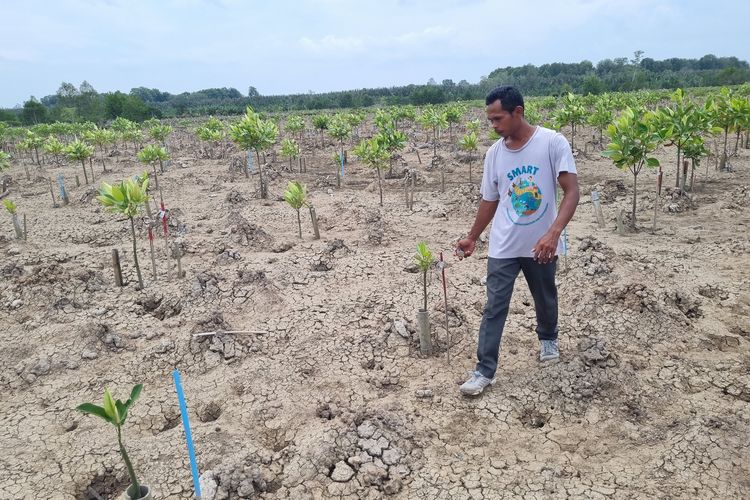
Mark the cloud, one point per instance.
(351, 45)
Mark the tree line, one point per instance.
(71, 104)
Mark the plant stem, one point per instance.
(134, 485)
(299, 224)
(135, 255)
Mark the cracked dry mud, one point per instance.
(331, 399)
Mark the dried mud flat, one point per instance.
(332, 400)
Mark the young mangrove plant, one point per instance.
(126, 198)
(424, 259)
(80, 151)
(115, 412)
(373, 154)
(469, 144)
(152, 154)
(296, 196)
(13, 211)
(633, 137)
(290, 149)
(254, 133)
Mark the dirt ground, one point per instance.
(328, 397)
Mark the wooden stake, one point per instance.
(445, 303)
(218, 332)
(116, 267)
(151, 245)
(620, 223)
(179, 262)
(597, 208)
(314, 218)
(52, 193)
(24, 227)
(78, 182)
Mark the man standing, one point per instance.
(521, 171)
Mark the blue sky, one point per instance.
(291, 47)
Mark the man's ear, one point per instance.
(518, 111)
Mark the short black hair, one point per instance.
(509, 96)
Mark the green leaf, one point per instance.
(652, 162)
(93, 409)
(135, 393)
(110, 408)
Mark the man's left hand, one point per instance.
(546, 248)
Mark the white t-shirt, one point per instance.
(522, 179)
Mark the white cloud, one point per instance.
(349, 45)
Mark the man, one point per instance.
(518, 195)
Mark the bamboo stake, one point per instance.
(219, 332)
(116, 267)
(445, 303)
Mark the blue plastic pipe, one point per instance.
(188, 436)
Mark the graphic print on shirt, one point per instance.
(525, 196)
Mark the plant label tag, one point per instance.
(250, 167)
(61, 183)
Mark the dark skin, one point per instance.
(516, 132)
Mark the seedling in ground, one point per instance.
(469, 143)
(373, 154)
(633, 136)
(115, 412)
(253, 133)
(13, 211)
(152, 154)
(126, 198)
(296, 196)
(80, 151)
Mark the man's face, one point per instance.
(503, 122)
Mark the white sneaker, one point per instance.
(548, 350)
(475, 385)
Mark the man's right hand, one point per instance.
(467, 246)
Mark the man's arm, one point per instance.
(485, 214)
(546, 247)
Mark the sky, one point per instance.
(282, 47)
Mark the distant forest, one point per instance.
(84, 103)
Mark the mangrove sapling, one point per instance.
(213, 133)
(13, 211)
(469, 144)
(374, 155)
(295, 125)
(290, 149)
(296, 196)
(152, 154)
(424, 259)
(679, 124)
(101, 137)
(4, 165)
(392, 140)
(55, 148)
(694, 150)
(339, 129)
(254, 133)
(571, 113)
(453, 113)
(634, 135)
(80, 151)
(435, 120)
(159, 132)
(126, 198)
(321, 122)
(601, 116)
(115, 412)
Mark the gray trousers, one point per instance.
(501, 275)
